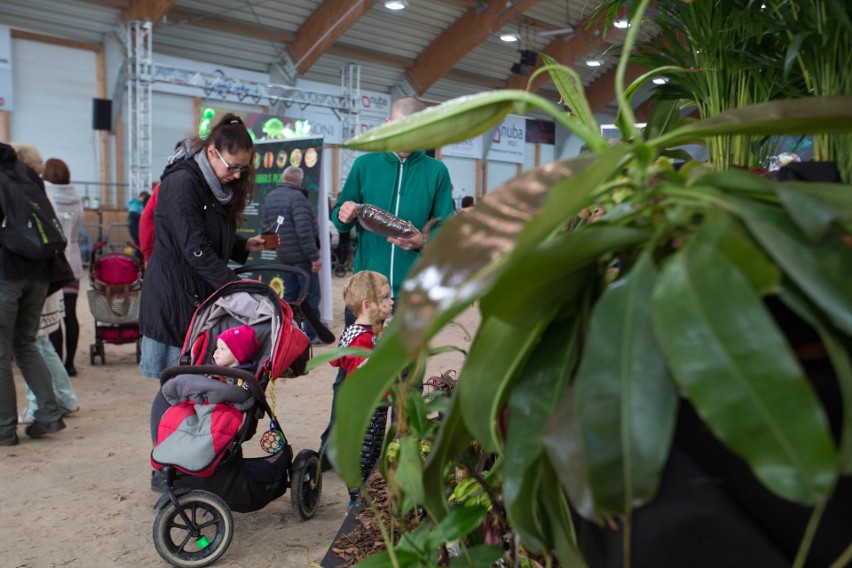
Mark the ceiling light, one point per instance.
(396, 4)
(594, 63)
(660, 80)
(621, 24)
(508, 38)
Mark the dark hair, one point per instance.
(56, 171)
(467, 201)
(230, 135)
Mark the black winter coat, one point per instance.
(193, 240)
(299, 232)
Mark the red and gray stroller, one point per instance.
(214, 410)
(114, 293)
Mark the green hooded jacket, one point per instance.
(416, 189)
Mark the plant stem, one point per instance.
(844, 559)
(810, 532)
(623, 104)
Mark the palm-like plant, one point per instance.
(591, 337)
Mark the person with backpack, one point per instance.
(32, 265)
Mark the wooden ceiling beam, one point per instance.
(322, 29)
(471, 29)
(222, 25)
(153, 10)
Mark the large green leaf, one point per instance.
(564, 447)
(458, 120)
(559, 520)
(839, 348)
(797, 116)
(570, 87)
(822, 270)
(733, 364)
(815, 206)
(555, 264)
(453, 438)
(358, 395)
(477, 556)
(468, 252)
(408, 475)
(531, 402)
(497, 352)
(625, 400)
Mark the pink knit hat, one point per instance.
(242, 342)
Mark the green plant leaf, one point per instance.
(554, 263)
(570, 87)
(746, 384)
(337, 353)
(839, 348)
(418, 416)
(359, 392)
(497, 352)
(458, 120)
(823, 270)
(408, 475)
(793, 50)
(468, 252)
(460, 523)
(796, 116)
(383, 560)
(453, 438)
(625, 400)
(531, 402)
(719, 231)
(815, 206)
(477, 556)
(559, 520)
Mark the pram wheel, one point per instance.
(138, 350)
(174, 538)
(306, 484)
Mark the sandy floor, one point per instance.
(82, 497)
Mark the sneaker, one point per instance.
(10, 439)
(37, 429)
(72, 372)
(27, 416)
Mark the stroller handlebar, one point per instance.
(252, 382)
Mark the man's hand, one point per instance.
(347, 212)
(414, 242)
(316, 265)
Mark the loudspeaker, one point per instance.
(101, 114)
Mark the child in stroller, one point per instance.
(199, 442)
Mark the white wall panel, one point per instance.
(54, 87)
(173, 121)
(462, 175)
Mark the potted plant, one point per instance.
(595, 335)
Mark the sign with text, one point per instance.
(235, 85)
(509, 140)
(468, 149)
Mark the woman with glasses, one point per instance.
(203, 192)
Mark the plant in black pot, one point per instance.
(669, 384)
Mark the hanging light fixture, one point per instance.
(396, 4)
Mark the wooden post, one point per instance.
(103, 135)
(5, 130)
(537, 154)
(481, 173)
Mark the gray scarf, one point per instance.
(223, 194)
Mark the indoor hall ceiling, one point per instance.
(437, 49)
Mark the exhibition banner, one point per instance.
(509, 140)
(468, 149)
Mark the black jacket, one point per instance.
(193, 240)
(55, 270)
(299, 232)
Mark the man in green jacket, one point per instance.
(411, 185)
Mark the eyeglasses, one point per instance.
(229, 167)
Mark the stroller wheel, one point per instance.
(138, 350)
(201, 541)
(306, 484)
(92, 353)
